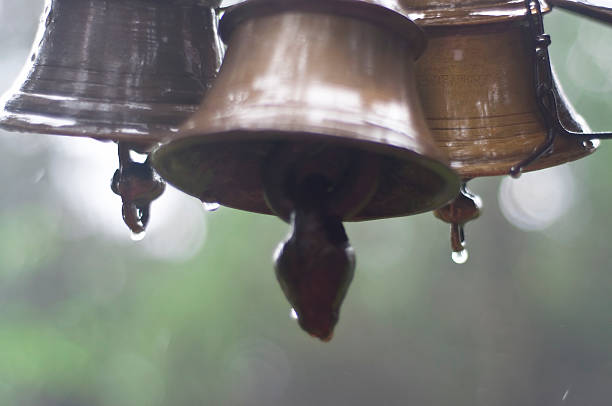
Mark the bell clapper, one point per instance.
(314, 187)
(138, 185)
(315, 265)
(466, 207)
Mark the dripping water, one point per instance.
(460, 257)
(138, 236)
(211, 206)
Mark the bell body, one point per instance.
(324, 83)
(115, 69)
(477, 88)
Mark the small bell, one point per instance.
(477, 88)
(121, 70)
(114, 69)
(322, 125)
(477, 83)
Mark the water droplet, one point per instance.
(138, 236)
(460, 257)
(135, 156)
(38, 175)
(293, 314)
(211, 206)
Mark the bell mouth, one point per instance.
(142, 134)
(226, 167)
(565, 149)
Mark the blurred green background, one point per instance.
(193, 315)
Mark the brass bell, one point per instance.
(328, 97)
(314, 117)
(490, 97)
(121, 70)
(476, 85)
(114, 70)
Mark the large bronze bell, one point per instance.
(320, 94)
(314, 117)
(121, 70)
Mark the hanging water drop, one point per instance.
(293, 314)
(464, 208)
(460, 257)
(211, 206)
(138, 236)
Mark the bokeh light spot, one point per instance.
(538, 199)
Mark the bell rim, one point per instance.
(473, 15)
(143, 140)
(160, 157)
(565, 153)
(390, 19)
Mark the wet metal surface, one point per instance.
(476, 85)
(315, 265)
(111, 69)
(138, 185)
(312, 78)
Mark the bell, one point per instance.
(477, 81)
(305, 100)
(114, 69)
(477, 88)
(121, 70)
(314, 117)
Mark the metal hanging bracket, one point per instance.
(546, 92)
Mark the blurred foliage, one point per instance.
(95, 319)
